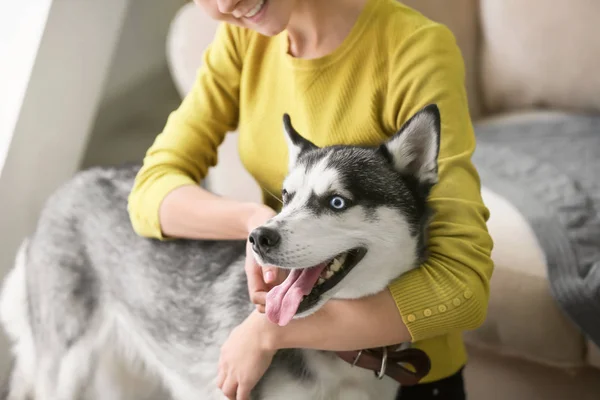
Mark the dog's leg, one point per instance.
(53, 381)
(45, 378)
(22, 377)
(118, 378)
(75, 369)
(18, 386)
(14, 317)
(65, 373)
(191, 387)
(181, 394)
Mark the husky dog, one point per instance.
(96, 312)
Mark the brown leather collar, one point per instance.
(389, 361)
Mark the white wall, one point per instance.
(77, 71)
(21, 28)
(56, 114)
(139, 93)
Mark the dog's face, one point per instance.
(353, 219)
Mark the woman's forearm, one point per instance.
(343, 325)
(194, 213)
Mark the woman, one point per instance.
(347, 71)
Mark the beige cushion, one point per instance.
(540, 53)
(523, 319)
(191, 31)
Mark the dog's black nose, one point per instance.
(264, 239)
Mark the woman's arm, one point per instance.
(194, 213)
(166, 200)
(374, 322)
(450, 291)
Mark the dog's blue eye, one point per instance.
(337, 203)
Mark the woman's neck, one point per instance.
(318, 27)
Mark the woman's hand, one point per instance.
(249, 350)
(260, 280)
(245, 357)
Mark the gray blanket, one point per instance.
(549, 168)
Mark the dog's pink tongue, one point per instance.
(283, 300)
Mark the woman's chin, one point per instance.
(271, 25)
(268, 29)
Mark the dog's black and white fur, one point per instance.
(96, 312)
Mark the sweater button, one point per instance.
(468, 294)
(442, 308)
(427, 312)
(411, 318)
(456, 302)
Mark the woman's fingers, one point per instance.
(230, 388)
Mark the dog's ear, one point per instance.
(414, 149)
(295, 142)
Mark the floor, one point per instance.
(490, 377)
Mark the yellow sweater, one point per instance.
(394, 62)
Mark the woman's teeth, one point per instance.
(255, 10)
(333, 267)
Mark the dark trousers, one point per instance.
(450, 388)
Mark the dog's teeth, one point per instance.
(342, 258)
(335, 267)
(320, 281)
(328, 274)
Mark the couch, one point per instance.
(527, 62)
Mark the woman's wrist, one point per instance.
(194, 213)
(267, 333)
(256, 215)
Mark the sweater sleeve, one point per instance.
(187, 147)
(450, 291)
